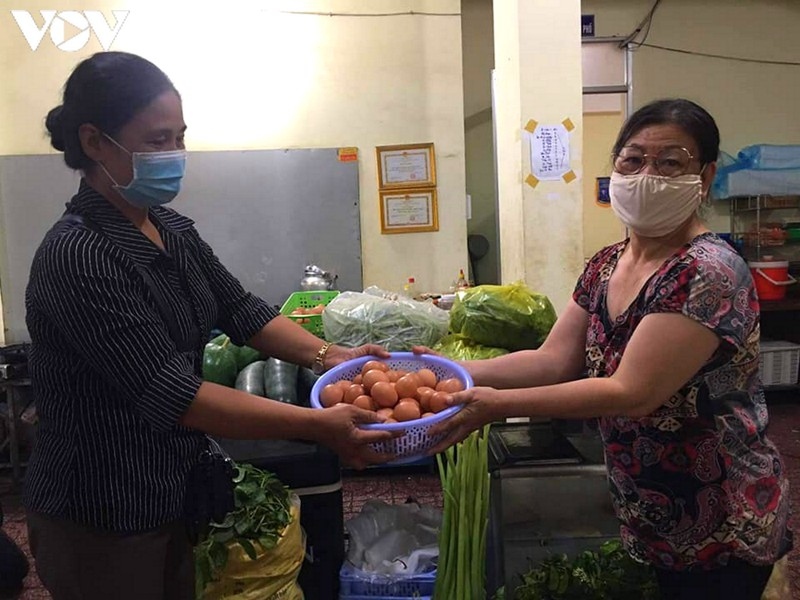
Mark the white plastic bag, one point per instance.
(394, 539)
(376, 316)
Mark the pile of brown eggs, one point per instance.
(398, 396)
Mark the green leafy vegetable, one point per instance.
(503, 316)
(262, 512)
(457, 347)
(606, 574)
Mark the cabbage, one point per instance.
(457, 347)
(503, 316)
(378, 317)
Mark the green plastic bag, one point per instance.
(219, 363)
(457, 347)
(503, 316)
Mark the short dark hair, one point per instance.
(687, 115)
(107, 90)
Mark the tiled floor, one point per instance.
(421, 485)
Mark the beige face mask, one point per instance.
(653, 205)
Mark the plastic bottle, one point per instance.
(461, 282)
(410, 288)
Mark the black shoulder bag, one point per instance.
(209, 484)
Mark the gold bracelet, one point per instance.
(318, 367)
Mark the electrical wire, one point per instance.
(646, 22)
(785, 63)
(392, 14)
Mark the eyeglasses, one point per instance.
(670, 162)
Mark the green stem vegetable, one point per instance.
(462, 540)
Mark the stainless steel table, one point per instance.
(548, 495)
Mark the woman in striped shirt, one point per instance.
(124, 410)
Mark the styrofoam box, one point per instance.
(779, 362)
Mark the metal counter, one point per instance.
(549, 495)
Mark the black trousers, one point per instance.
(737, 580)
(13, 566)
(80, 563)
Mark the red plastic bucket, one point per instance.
(771, 278)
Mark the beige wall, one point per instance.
(538, 76)
(253, 77)
(752, 103)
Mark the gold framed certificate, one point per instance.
(406, 166)
(409, 211)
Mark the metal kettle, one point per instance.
(317, 279)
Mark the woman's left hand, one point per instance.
(480, 408)
(339, 354)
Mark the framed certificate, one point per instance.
(410, 165)
(409, 211)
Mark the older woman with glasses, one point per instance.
(666, 324)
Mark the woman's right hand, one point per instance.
(340, 431)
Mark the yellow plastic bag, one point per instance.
(272, 575)
(778, 586)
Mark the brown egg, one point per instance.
(373, 377)
(407, 385)
(393, 375)
(427, 414)
(390, 420)
(451, 385)
(331, 394)
(384, 394)
(407, 409)
(423, 395)
(357, 379)
(427, 377)
(438, 401)
(344, 384)
(386, 413)
(354, 391)
(364, 402)
(374, 364)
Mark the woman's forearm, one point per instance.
(581, 399)
(523, 369)
(229, 413)
(284, 339)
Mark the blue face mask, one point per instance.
(156, 177)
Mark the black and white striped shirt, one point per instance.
(109, 382)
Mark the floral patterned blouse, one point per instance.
(697, 481)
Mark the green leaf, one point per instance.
(248, 548)
(243, 526)
(202, 574)
(218, 553)
(267, 543)
(222, 535)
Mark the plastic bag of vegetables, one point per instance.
(258, 550)
(503, 316)
(457, 347)
(378, 317)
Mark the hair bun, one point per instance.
(55, 125)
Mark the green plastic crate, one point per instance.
(312, 323)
